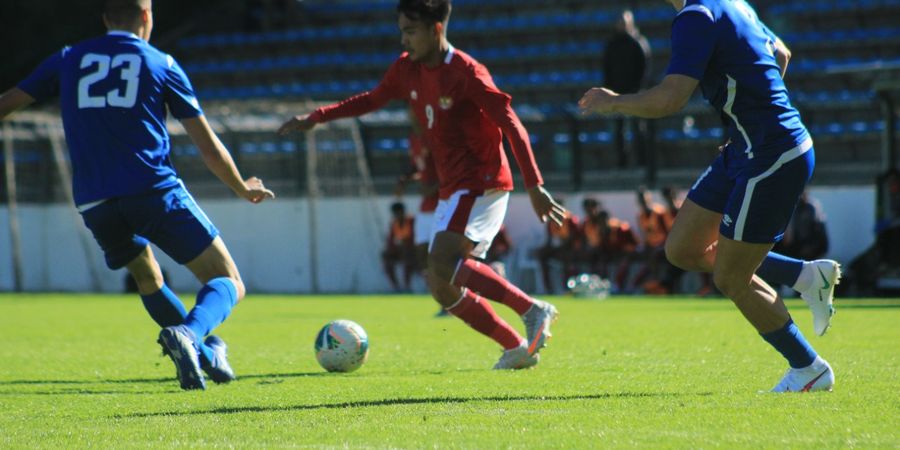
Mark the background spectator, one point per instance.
(563, 244)
(626, 63)
(654, 228)
(399, 248)
(806, 236)
(500, 248)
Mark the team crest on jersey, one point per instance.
(727, 220)
(445, 103)
(413, 94)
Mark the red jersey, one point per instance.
(423, 163)
(464, 118)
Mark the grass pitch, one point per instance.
(85, 371)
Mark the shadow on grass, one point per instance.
(413, 401)
(270, 376)
(85, 391)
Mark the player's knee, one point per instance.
(730, 284)
(441, 265)
(148, 282)
(680, 256)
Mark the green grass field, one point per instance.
(85, 371)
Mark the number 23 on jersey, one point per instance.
(118, 97)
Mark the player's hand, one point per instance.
(255, 191)
(295, 124)
(597, 101)
(545, 207)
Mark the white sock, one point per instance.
(805, 280)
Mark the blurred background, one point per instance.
(254, 63)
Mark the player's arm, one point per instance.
(352, 107)
(693, 44)
(13, 100)
(662, 100)
(497, 106)
(41, 84)
(220, 163)
(782, 55)
(781, 51)
(183, 105)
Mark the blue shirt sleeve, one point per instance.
(693, 43)
(769, 33)
(179, 93)
(43, 83)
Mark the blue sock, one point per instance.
(164, 307)
(214, 303)
(167, 310)
(777, 269)
(789, 341)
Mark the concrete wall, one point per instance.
(271, 241)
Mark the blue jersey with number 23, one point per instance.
(114, 93)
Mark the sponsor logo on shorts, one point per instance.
(726, 219)
(413, 94)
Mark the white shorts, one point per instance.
(422, 227)
(477, 217)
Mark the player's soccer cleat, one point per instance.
(817, 377)
(820, 295)
(517, 358)
(537, 320)
(218, 369)
(177, 343)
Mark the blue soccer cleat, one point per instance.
(178, 343)
(218, 368)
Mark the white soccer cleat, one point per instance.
(537, 320)
(817, 377)
(820, 295)
(517, 358)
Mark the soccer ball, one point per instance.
(589, 286)
(342, 346)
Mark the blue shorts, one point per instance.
(169, 218)
(756, 200)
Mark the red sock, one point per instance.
(478, 314)
(483, 280)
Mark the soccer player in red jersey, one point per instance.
(423, 171)
(464, 118)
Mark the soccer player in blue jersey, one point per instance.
(741, 205)
(115, 92)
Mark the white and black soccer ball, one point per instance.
(342, 346)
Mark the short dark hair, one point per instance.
(398, 207)
(124, 11)
(428, 11)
